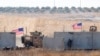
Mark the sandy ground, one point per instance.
(41, 52)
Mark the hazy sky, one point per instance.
(44, 3)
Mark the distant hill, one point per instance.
(48, 10)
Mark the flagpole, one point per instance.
(81, 27)
(26, 30)
(23, 31)
(63, 28)
(4, 29)
(81, 20)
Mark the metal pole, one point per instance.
(63, 28)
(80, 3)
(26, 30)
(4, 29)
(81, 26)
(92, 39)
(54, 3)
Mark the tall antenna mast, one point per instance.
(80, 3)
(54, 3)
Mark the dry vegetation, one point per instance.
(41, 52)
(46, 23)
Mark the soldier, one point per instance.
(69, 43)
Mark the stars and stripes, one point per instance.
(77, 26)
(18, 31)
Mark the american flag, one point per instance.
(18, 31)
(77, 26)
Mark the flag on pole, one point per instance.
(18, 31)
(77, 26)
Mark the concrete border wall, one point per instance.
(7, 39)
(81, 40)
